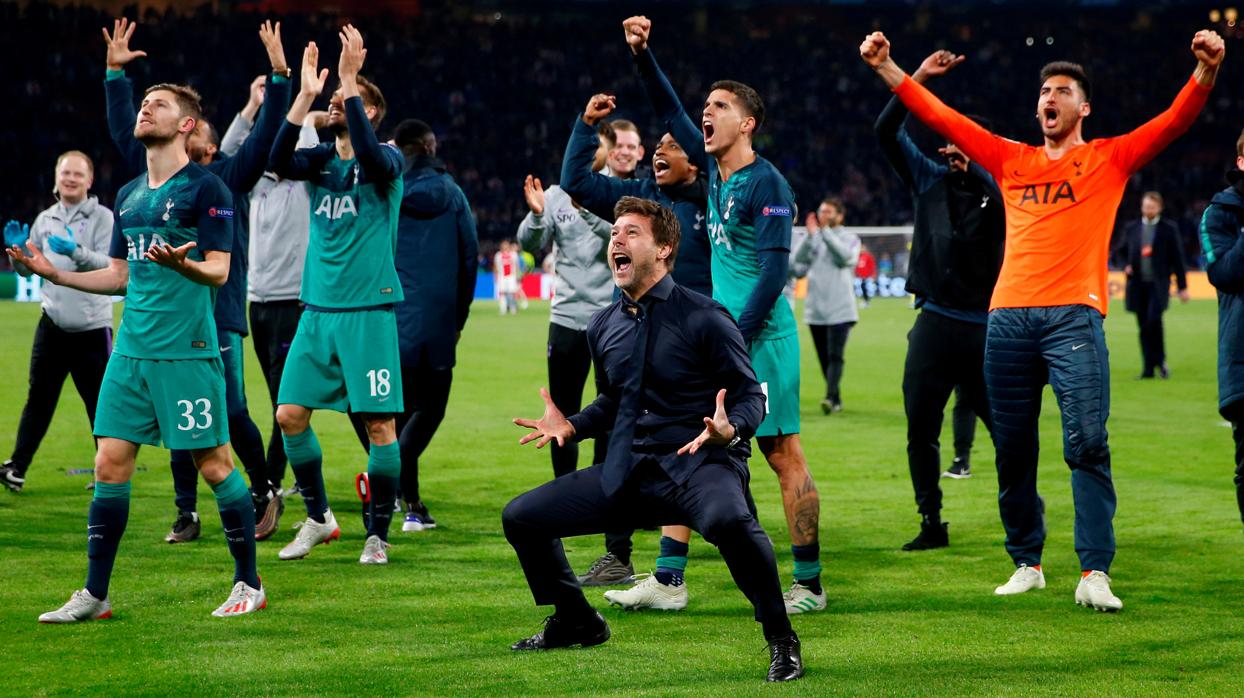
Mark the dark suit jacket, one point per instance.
(1167, 259)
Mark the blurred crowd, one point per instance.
(501, 89)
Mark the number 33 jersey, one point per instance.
(168, 316)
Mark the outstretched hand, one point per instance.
(166, 255)
(551, 426)
(717, 429)
(637, 29)
(534, 193)
(33, 259)
(598, 107)
(118, 42)
(270, 35)
(937, 64)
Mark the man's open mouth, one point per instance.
(621, 262)
(660, 165)
(1049, 117)
(708, 131)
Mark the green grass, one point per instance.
(439, 619)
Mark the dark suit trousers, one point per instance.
(1148, 305)
(942, 353)
(712, 502)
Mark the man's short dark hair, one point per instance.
(411, 135)
(373, 97)
(835, 202)
(605, 131)
(665, 228)
(1075, 71)
(753, 105)
(188, 99)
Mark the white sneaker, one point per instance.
(1094, 591)
(649, 593)
(310, 534)
(374, 552)
(242, 600)
(800, 599)
(80, 607)
(1025, 579)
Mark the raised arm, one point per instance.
(380, 162)
(284, 160)
(975, 141)
(773, 224)
(594, 191)
(243, 171)
(917, 170)
(533, 231)
(662, 95)
(1134, 150)
(119, 95)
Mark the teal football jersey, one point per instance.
(353, 238)
(751, 212)
(168, 316)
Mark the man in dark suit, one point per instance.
(679, 400)
(1149, 252)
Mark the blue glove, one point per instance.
(16, 233)
(64, 246)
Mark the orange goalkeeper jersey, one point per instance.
(1059, 213)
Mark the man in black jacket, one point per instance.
(956, 253)
(1148, 250)
(666, 358)
(1223, 245)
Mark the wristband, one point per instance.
(737, 437)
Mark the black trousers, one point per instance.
(55, 355)
(831, 345)
(1235, 414)
(1146, 300)
(942, 353)
(569, 360)
(425, 393)
(963, 422)
(711, 502)
(273, 325)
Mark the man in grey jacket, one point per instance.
(74, 335)
(584, 285)
(280, 217)
(827, 257)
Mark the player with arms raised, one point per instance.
(751, 210)
(165, 380)
(1045, 320)
(345, 353)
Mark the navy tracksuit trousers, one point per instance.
(1065, 346)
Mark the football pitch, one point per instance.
(440, 618)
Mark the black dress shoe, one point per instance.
(785, 661)
(560, 633)
(931, 536)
